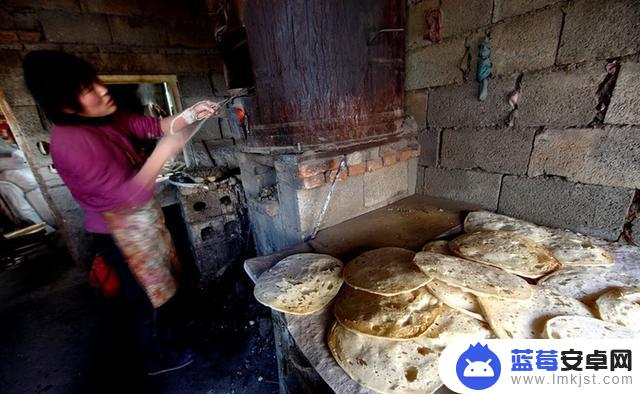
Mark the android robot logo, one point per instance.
(478, 367)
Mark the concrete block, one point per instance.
(347, 201)
(112, 7)
(429, 145)
(355, 158)
(526, 43)
(560, 98)
(416, 24)
(85, 28)
(594, 29)
(15, 90)
(49, 178)
(255, 176)
(28, 119)
(213, 260)
(412, 175)
(435, 65)
(10, 61)
(170, 9)
(594, 210)
(624, 108)
(189, 33)
(419, 180)
(210, 130)
(63, 203)
(200, 207)
(223, 153)
(461, 16)
(198, 155)
(18, 20)
(210, 231)
(474, 187)
(415, 104)
(503, 150)
(508, 8)
(140, 63)
(270, 234)
(385, 184)
(598, 156)
(34, 158)
(219, 84)
(458, 106)
(44, 4)
(188, 63)
(195, 85)
(138, 32)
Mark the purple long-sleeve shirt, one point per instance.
(92, 161)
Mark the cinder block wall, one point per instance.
(118, 37)
(553, 166)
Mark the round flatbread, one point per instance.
(505, 250)
(403, 316)
(387, 366)
(476, 278)
(385, 271)
(453, 324)
(572, 250)
(489, 221)
(300, 284)
(582, 327)
(621, 306)
(437, 247)
(455, 298)
(587, 284)
(525, 319)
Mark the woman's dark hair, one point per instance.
(56, 79)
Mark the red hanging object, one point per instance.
(103, 277)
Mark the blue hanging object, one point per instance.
(484, 68)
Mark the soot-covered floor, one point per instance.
(58, 336)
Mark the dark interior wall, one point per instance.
(568, 155)
(130, 37)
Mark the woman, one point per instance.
(92, 151)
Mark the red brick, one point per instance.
(389, 160)
(374, 164)
(315, 167)
(30, 37)
(8, 36)
(311, 182)
(357, 169)
(392, 149)
(409, 153)
(329, 175)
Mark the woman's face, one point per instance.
(96, 101)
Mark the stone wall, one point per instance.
(132, 37)
(563, 158)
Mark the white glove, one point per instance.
(201, 110)
(197, 112)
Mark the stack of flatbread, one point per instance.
(395, 310)
(390, 328)
(578, 294)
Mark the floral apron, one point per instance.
(143, 238)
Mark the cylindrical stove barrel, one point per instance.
(326, 71)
